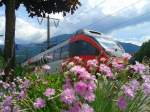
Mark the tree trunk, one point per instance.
(9, 48)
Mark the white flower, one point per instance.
(46, 67)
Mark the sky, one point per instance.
(123, 20)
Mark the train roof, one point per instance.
(97, 36)
(59, 39)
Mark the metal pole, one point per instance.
(48, 32)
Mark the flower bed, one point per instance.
(90, 86)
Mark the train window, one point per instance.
(82, 48)
(56, 55)
(65, 51)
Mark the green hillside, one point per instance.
(143, 52)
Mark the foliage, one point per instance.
(42, 7)
(2, 62)
(26, 90)
(37, 88)
(143, 52)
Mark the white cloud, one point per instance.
(111, 6)
(100, 13)
(1, 42)
(2, 24)
(25, 32)
(28, 33)
(93, 14)
(134, 34)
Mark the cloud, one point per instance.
(119, 18)
(1, 42)
(136, 34)
(112, 23)
(25, 32)
(108, 16)
(111, 6)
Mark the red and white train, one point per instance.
(86, 44)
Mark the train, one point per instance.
(86, 44)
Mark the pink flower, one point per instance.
(49, 92)
(67, 84)
(86, 108)
(77, 58)
(77, 69)
(76, 108)
(105, 69)
(129, 91)
(46, 67)
(146, 88)
(138, 68)
(68, 96)
(91, 86)
(25, 84)
(7, 104)
(6, 85)
(134, 84)
(22, 95)
(39, 103)
(90, 96)
(85, 76)
(117, 65)
(127, 56)
(131, 88)
(92, 63)
(7, 101)
(81, 88)
(103, 59)
(7, 109)
(146, 78)
(81, 72)
(122, 104)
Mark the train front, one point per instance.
(111, 47)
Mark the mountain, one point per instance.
(27, 51)
(24, 52)
(130, 48)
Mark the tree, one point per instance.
(34, 8)
(143, 52)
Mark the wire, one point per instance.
(91, 8)
(97, 5)
(102, 18)
(107, 16)
(148, 13)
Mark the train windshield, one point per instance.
(110, 46)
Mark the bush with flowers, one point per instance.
(82, 86)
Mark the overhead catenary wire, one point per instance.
(96, 6)
(105, 17)
(147, 13)
(117, 11)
